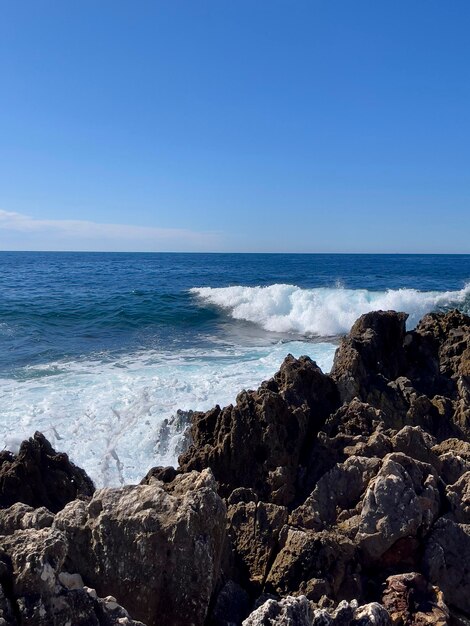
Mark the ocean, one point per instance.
(108, 353)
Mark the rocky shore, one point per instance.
(340, 499)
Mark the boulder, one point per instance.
(314, 564)
(40, 593)
(155, 547)
(40, 476)
(401, 501)
(253, 529)
(336, 492)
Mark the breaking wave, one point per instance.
(324, 311)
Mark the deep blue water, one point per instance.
(71, 305)
(106, 353)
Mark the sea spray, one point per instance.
(323, 311)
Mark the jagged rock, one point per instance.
(20, 516)
(314, 564)
(155, 547)
(348, 613)
(370, 355)
(417, 444)
(253, 528)
(260, 442)
(338, 490)
(411, 600)
(164, 474)
(40, 594)
(402, 501)
(445, 562)
(40, 476)
(297, 612)
(439, 350)
(287, 612)
(454, 457)
(372, 614)
(458, 495)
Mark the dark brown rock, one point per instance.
(370, 355)
(412, 601)
(253, 529)
(40, 476)
(314, 564)
(261, 441)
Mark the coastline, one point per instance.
(336, 498)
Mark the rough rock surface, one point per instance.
(40, 476)
(410, 599)
(339, 499)
(36, 591)
(155, 547)
(260, 442)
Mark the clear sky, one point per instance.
(235, 125)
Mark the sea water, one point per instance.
(108, 353)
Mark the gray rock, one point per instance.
(401, 501)
(155, 547)
(20, 516)
(446, 559)
(287, 612)
(458, 495)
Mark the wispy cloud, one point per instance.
(85, 234)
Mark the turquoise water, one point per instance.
(98, 350)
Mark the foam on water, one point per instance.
(323, 311)
(117, 419)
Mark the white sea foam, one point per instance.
(321, 311)
(110, 417)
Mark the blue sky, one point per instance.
(247, 125)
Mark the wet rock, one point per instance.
(411, 600)
(155, 547)
(372, 614)
(297, 612)
(40, 476)
(348, 613)
(261, 441)
(164, 474)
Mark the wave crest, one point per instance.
(323, 311)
